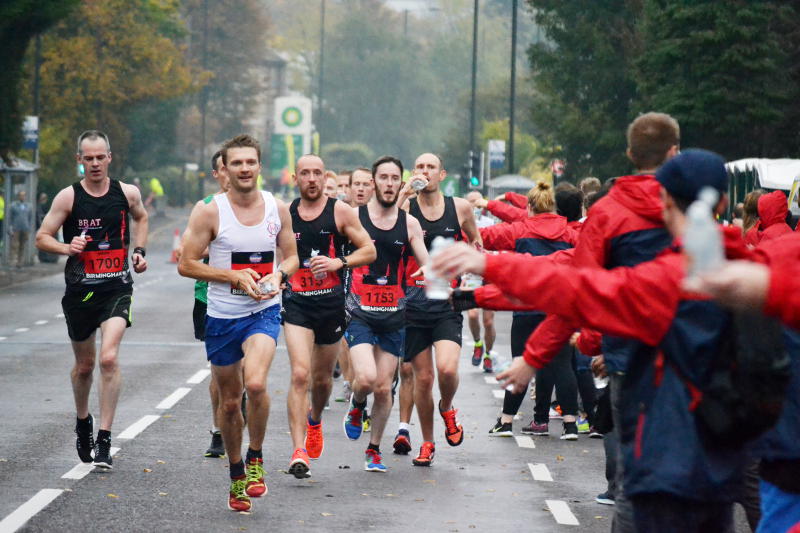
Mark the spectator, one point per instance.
(750, 217)
(20, 225)
(738, 215)
(589, 185)
(772, 214)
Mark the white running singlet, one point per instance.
(238, 247)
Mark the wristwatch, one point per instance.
(139, 250)
(343, 259)
(284, 276)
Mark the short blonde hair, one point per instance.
(541, 198)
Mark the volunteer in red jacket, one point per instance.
(772, 211)
(542, 233)
(675, 481)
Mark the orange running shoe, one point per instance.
(425, 457)
(238, 500)
(453, 431)
(298, 467)
(314, 443)
(255, 487)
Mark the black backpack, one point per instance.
(748, 381)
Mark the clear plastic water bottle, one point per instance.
(703, 240)
(418, 184)
(436, 287)
(321, 275)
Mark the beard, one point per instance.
(379, 195)
(306, 194)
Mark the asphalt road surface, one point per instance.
(162, 482)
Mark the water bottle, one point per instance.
(418, 184)
(703, 241)
(436, 287)
(321, 275)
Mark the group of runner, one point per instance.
(345, 263)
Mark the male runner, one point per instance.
(431, 324)
(95, 214)
(343, 186)
(362, 186)
(376, 301)
(314, 314)
(242, 230)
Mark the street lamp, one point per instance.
(513, 95)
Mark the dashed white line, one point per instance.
(60, 315)
(199, 376)
(523, 441)
(173, 398)
(490, 380)
(3, 338)
(40, 322)
(138, 426)
(499, 394)
(27, 510)
(540, 472)
(80, 470)
(561, 512)
(22, 330)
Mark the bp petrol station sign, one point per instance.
(292, 135)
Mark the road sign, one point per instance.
(557, 167)
(293, 115)
(30, 133)
(497, 153)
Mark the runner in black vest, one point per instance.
(376, 301)
(314, 313)
(430, 323)
(95, 214)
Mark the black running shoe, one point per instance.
(85, 441)
(216, 449)
(102, 453)
(501, 430)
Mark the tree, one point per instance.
(722, 71)
(20, 21)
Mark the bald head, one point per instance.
(430, 165)
(309, 159)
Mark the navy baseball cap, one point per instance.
(686, 174)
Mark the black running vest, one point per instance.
(105, 222)
(376, 294)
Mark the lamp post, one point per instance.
(513, 95)
(321, 81)
(474, 77)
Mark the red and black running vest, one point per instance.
(105, 222)
(377, 294)
(447, 226)
(316, 237)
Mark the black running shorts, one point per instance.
(328, 326)
(84, 311)
(199, 319)
(423, 329)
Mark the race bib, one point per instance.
(261, 262)
(381, 296)
(104, 261)
(304, 281)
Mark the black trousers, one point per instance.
(559, 375)
(521, 328)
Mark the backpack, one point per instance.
(747, 384)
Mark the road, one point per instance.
(161, 481)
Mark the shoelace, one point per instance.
(450, 421)
(238, 489)
(375, 457)
(426, 451)
(355, 416)
(103, 447)
(255, 472)
(86, 441)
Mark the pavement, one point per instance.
(162, 482)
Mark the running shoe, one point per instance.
(402, 442)
(594, 434)
(501, 430)
(372, 461)
(217, 448)
(85, 439)
(425, 457)
(345, 393)
(536, 429)
(583, 425)
(453, 431)
(555, 412)
(102, 453)
(366, 422)
(487, 365)
(477, 354)
(315, 442)
(238, 500)
(570, 431)
(352, 422)
(605, 498)
(298, 467)
(255, 487)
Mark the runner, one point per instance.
(242, 230)
(95, 214)
(313, 310)
(362, 186)
(431, 324)
(376, 301)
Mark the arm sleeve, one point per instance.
(505, 212)
(491, 297)
(589, 342)
(499, 237)
(612, 301)
(517, 200)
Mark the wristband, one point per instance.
(139, 250)
(284, 276)
(344, 262)
(463, 300)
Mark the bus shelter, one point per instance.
(18, 176)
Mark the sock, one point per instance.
(311, 421)
(403, 426)
(253, 454)
(214, 429)
(376, 447)
(360, 405)
(103, 435)
(478, 343)
(237, 470)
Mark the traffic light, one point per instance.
(475, 175)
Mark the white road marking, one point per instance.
(40, 322)
(3, 338)
(540, 472)
(499, 394)
(490, 380)
(60, 315)
(80, 470)
(199, 376)
(22, 330)
(173, 398)
(561, 512)
(524, 441)
(138, 426)
(27, 510)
